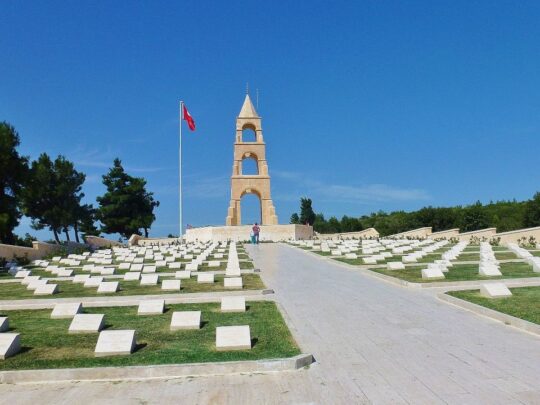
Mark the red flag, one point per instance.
(188, 118)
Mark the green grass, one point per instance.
(67, 289)
(46, 343)
(468, 256)
(506, 255)
(462, 272)
(524, 303)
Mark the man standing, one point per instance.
(256, 231)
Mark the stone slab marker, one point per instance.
(66, 310)
(151, 307)
(183, 274)
(93, 282)
(233, 304)
(395, 266)
(186, 320)
(87, 323)
(171, 285)
(108, 287)
(149, 279)
(115, 343)
(233, 338)
(495, 290)
(81, 278)
(132, 276)
(432, 274)
(232, 282)
(205, 278)
(10, 344)
(46, 289)
(4, 324)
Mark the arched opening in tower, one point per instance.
(249, 134)
(250, 166)
(251, 209)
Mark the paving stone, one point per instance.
(87, 323)
(115, 343)
(186, 320)
(66, 310)
(233, 338)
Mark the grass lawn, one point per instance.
(46, 343)
(463, 272)
(468, 256)
(69, 289)
(321, 253)
(506, 255)
(524, 303)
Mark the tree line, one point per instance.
(503, 215)
(49, 192)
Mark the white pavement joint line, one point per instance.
(146, 372)
(499, 317)
(131, 300)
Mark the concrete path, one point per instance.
(374, 343)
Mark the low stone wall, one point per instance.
(97, 242)
(514, 236)
(365, 234)
(138, 240)
(37, 251)
(274, 233)
(449, 233)
(414, 233)
(487, 233)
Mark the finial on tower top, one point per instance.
(247, 87)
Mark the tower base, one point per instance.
(270, 233)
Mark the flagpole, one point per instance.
(180, 169)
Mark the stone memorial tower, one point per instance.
(259, 184)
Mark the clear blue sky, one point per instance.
(366, 105)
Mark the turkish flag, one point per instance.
(188, 118)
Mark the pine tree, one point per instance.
(126, 207)
(13, 175)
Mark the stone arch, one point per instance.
(248, 218)
(250, 165)
(249, 133)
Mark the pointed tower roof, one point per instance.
(248, 111)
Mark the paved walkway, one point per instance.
(373, 341)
